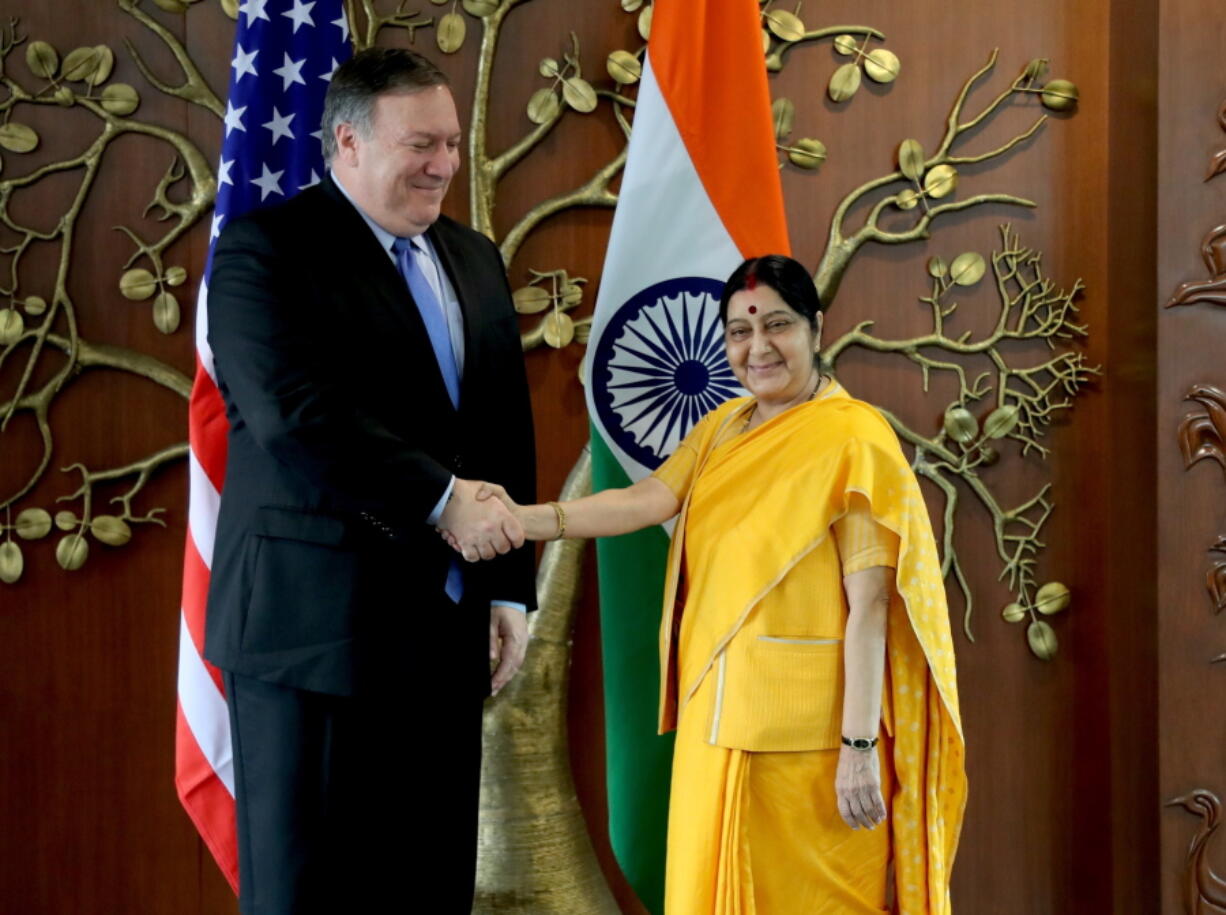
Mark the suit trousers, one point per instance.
(355, 804)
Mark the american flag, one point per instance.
(284, 54)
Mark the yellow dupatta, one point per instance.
(813, 458)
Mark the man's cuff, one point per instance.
(522, 608)
(442, 503)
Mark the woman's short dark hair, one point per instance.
(782, 274)
(360, 80)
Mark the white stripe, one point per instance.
(202, 330)
(665, 227)
(719, 697)
(203, 504)
(204, 708)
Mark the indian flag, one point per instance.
(700, 193)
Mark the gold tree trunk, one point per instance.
(534, 854)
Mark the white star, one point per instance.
(319, 135)
(344, 24)
(314, 180)
(217, 218)
(327, 77)
(234, 118)
(279, 125)
(290, 72)
(223, 173)
(300, 14)
(244, 63)
(254, 10)
(268, 182)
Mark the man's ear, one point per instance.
(347, 143)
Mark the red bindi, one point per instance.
(753, 309)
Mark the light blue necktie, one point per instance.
(440, 340)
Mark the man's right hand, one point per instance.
(479, 528)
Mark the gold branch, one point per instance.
(195, 87)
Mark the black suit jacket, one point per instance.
(342, 440)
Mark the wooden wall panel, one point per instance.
(1191, 503)
(1064, 811)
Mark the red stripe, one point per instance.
(206, 800)
(195, 597)
(209, 429)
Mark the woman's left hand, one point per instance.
(858, 787)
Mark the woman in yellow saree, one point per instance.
(806, 657)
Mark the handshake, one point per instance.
(481, 521)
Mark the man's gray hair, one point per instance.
(359, 81)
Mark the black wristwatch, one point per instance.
(860, 743)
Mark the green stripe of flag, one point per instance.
(638, 760)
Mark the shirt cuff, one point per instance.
(442, 503)
(522, 608)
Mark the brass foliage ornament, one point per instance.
(1202, 437)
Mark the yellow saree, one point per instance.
(752, 679)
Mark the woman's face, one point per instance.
(770, 346)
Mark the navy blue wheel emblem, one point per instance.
(660, 366)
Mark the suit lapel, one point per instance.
(378, 285)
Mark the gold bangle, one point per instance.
(561, 514)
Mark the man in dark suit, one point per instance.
(369, 357)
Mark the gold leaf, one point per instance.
(543, 106)
(582, 371)
(176, 276)
(17, 138)
(579, 94)
(583, 332)
(808, 153)
(449, 33)
(846, 45)
(106, 63)
(1042, 639)
(783, 110)
(624, 68)
(530, 300)
(111, 530)
(230, 8)
(960, 424)
(785, 26)
(12, 326)
(882, 65)
(172, 6)
(548, 68)
(66, 520)
(1000, 422)
(967, 269)
(941, 181)
(80, 65)
(1013, 613)
(480, 8)
(64, 97)
(559, 329)
(33, 523)
(1052, 598)
(35, 305)
(911, 159)
(988, 455)
(907, 199)
(137, 284)
(11, 562)
(166, 312)
(844, 82)
(438, 2)
(120, 99)
(71, 552)
(42, 59)
(645, 23)
(1060, 95)
(572, 295)
(631, 5)
(766, 49)
(936, 267)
